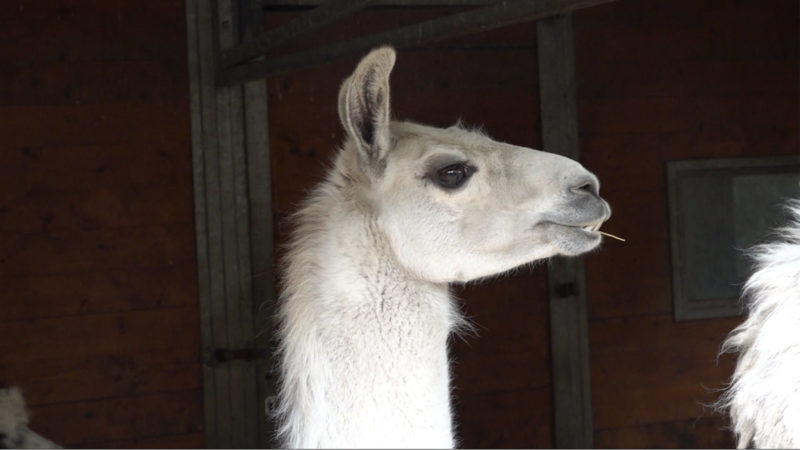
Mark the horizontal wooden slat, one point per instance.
(185, 440)
(692, 79)
(65, 11)
(641, 361)
(85, 166)
(621, 295)
(644, 45)
(666, 15)
(667, 30)
(425, 67)
(648, 370)
(39, 296)
(71, 125)
(708, 431)
(732, 115)
(115, 375)
(46, 211)
(81, 424)
(50, 342)
(359, 24)
(81, 251)
(511, 371)
(91, 31)
(506, 332)
(519, 293)
(383, 3)
(634, 406)
(93, 82)
(655, 332)
(516, 419)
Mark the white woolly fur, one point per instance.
(763, 398)
(14, 431)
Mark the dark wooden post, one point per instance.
(233, 227)
(566, 276)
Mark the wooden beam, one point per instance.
(503, 13)
(231, 176)
(259, 206)
(267, 4)
(320, 16)
(566, 276)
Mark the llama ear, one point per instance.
(364, 107)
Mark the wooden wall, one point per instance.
(502, 378)
(657, 81)
(99, 321)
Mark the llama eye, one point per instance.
(454, 175)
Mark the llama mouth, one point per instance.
(574, 239)
(592, 227)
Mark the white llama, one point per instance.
(365, 310)
(14, 431)
(764, 395)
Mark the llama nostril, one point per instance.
(586, 186)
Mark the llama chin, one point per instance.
(365, 311)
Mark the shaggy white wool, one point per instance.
(763, 398)
(12, 411)
(14, 431)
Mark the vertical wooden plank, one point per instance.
(262, 248)
(231, 149)
(259, 191)
(566, 276)
(228, 131)
(202, 104)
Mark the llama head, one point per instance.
(453, 204)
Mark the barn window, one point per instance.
(718, 208)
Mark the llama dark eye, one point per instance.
(454, 175)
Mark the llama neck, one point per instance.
(364, 343)
(356, 270)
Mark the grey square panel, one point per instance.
(719, 208)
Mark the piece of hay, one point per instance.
(611, 235)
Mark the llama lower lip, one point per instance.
(573, 239)
(585, 234)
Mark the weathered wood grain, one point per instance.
(48, 296)
(82, 424)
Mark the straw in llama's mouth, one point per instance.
(592, 226)
(596, 227)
